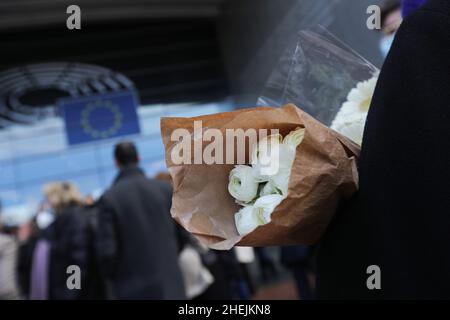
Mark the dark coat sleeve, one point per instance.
(106, 238)
(399, 219)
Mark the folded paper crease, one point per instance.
(323, 174)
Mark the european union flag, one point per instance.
(100, 117)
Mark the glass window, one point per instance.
(6, 174)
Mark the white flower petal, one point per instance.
(264, 206)
(242, 184)
(269, 188)
(294, 138)
(266, 157)
(351, 127)
(245, 220)
(351, 118)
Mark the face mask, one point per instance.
(386, 44)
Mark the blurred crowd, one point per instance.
(124, 244)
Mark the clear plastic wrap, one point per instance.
(316, 73)
(334, 85)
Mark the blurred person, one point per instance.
(25, 257)
(135, 240)
(228, 281)
(29, 234)
(227, 275)
(67, 241)
(197, 278)
(266, 264)
(391, 19)
(164, 176)
(245, 256)
(296, 259)
(229, 278)
(92, 198)
(9, 289)
(222, 270)
(391, 240)
(89, 200)
(392, 14)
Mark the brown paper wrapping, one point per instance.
(323, 173)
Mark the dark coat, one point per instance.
(400, 219)
(24, 264)
(295, 256)
(71, 241)
(136, 241)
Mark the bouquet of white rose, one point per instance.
(243, 203)
(260, 192)
(285, 192)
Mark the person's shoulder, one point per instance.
(427, 19)
(436, 6)
(106, 194)
(160, 185)
(72, 216)
(117, 189)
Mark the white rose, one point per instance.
(294, 138)
(351, 118)
(271, 156)
(242, 184)
(279, 183)
(264, 206)
(269, 188)
(266, 157)
(250, 217)
(363, 93)
(245, 220)
(351, 126)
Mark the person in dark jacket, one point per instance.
(25, 259)
(70, 244)
(392, 241)
(391, 19)
(297, 260)
(136, 241)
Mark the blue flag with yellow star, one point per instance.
(99, 117)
